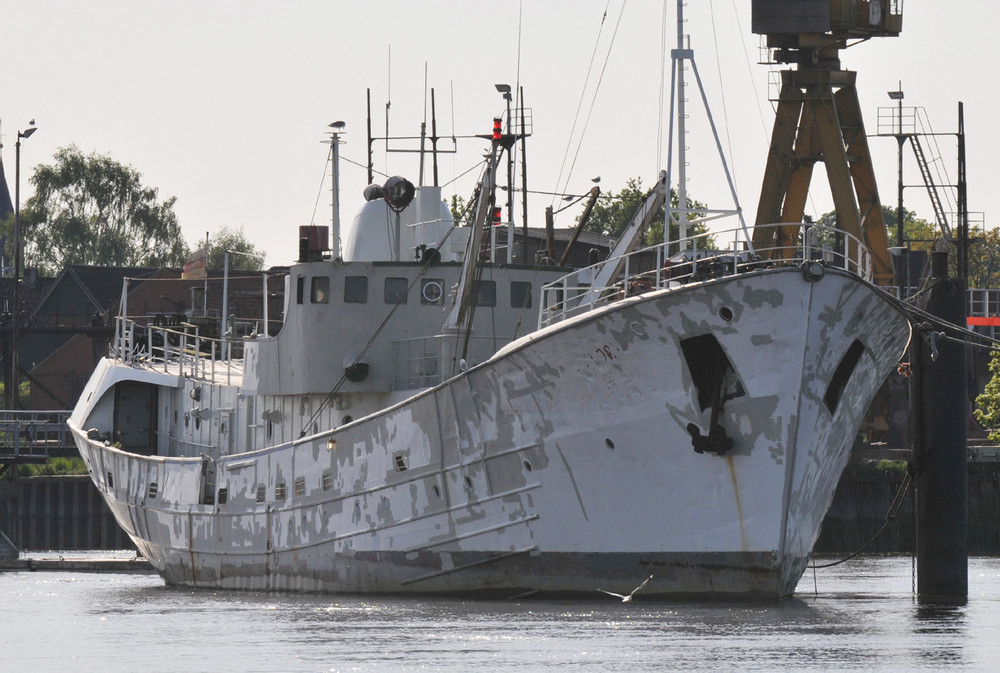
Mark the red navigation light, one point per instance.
(497, 129)
(497, 215)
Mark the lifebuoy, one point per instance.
(432, 291)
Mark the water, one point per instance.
(863, 618)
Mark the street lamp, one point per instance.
(897, 96)
(13, 396)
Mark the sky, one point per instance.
(225, 104)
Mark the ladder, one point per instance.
(932, 190)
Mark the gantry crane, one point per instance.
(818, 119)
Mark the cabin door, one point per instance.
(135, 417)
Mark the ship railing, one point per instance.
(695, 259)
(176, 348)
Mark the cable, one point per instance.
(579, 105)
(890, 517)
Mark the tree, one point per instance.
(984, 260)
(987, 411)
(246, 257)
(90, 209)
(612, 213)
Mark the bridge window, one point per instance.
(320, 290)
(300, 289)
(356, 289)
(520, 294)
(395, 290)
(486, 293)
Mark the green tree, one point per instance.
(918, 233)
(987, 411)
(246, 258)
(984, 260)
(612, 213)
(91, 209)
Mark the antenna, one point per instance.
(679, 57)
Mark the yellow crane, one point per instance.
(819, 119)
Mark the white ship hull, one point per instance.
(562, 464)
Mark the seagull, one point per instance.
(626, 599)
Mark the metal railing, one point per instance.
(658, 267)
(34, 435)
(176, 347)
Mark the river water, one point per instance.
(857, 616)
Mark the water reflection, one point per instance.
(940, 630)
(862, 616)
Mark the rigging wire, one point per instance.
(593, 100)
(725, 110)
(319, 194)
(579, 105)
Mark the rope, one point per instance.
(890, 517)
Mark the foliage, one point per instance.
(987, 411)
(612, 213)
(90, 209)
(247, 257)
(921, 234)
(984, 260)
(53, 467)
(23, 393)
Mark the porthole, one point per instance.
(608, 443)
(726, 313)
(527, 465)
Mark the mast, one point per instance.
(338, 128)
(462, 311)
(679, 57)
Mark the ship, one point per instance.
(433, 419)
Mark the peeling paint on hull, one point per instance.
(562, 464)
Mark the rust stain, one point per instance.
(736, 494)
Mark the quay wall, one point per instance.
(66, 512)
(61, 512)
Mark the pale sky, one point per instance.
(225, 104)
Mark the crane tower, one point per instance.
(818, 119)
